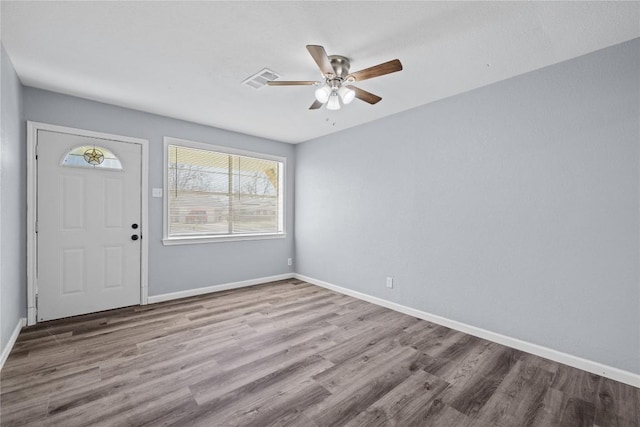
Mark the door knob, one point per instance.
(134, 226)
(134, 237)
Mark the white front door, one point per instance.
(88, 224)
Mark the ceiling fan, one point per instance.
(335, 70)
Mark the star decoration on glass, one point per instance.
(93, 156)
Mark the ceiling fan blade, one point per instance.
(293, 83)
(316, 104)
(320, 56)
(375, 71)
(364, 95)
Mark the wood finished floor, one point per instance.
(289, 354)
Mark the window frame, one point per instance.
(187, 240)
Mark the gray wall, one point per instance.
(13, 205)
(177, 268)
(513, 208)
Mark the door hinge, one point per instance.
(36, 151)
(36, 304)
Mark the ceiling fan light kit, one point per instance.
(331, 91)
(335, 70)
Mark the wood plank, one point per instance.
(224, 382)
(286, 340)
(106, 401)
(25, 413)
(351, 395)
(41, 388)
(578, 413)
(470, 392)
(576, 383)
(403, 403)
(616, 404)
(519, 398)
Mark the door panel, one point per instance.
(72, 189)
(86, 259)
(113, 257)
(72, 277)
(113, 206)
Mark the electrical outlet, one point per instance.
(389, 282)
(289, 261)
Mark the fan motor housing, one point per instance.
(340, 65)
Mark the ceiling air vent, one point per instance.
(261, 78)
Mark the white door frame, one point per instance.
(32, 198)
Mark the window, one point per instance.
(90, 156)
(214, 193)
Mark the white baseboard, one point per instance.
(538, 350)
(12, 340)
(152, 299)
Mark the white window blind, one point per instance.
(217, 194)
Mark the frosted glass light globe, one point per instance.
(322, 94)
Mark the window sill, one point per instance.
(193, 240)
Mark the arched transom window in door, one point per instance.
(92, 157)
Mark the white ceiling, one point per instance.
(187, 59)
